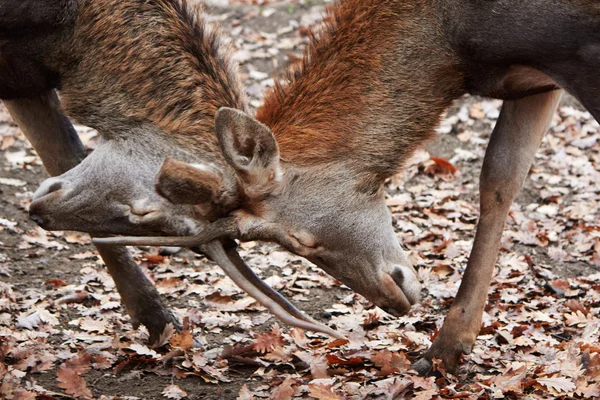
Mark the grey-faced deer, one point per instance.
(150, 77)
(370, 90)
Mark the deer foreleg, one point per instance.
(515, 139)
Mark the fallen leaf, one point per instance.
(265, 342)
(174, 392)
(323, 392)
(285, 391)
(557, 384)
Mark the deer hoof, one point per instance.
(423, 366)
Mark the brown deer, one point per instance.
(150, 77)
(369, 91)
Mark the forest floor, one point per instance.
(63, 333)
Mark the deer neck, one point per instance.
(156, 65)
(370, 89)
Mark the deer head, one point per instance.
(112, 191)
(326, 213)
(118, 74)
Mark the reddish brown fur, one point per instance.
(350, 83)
(175, 76)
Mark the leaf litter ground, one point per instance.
(64, 334)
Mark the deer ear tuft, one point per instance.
(197, 184)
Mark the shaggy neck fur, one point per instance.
(369, 90)
(150, 62)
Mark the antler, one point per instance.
(239, 272)
(224, 227)
(234, 266)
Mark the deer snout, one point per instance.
(406, 278)
(400, 290)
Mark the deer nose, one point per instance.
(407, 280)
(37, 219)
(38, 215)
(400, 289)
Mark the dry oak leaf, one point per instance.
(89, 324)
(425, 395)
(334, 359)
(285, 391)
(143, 350)
(78, 297)
(299, 337)
(265, 342)
(593, 366)
(154, 259)
(245, 394)
(575, 306)
(55, 283)
(82, 256)
(70, 379)
(557, 385)
(393, 387)
(588, 391)
(439, 166)
(73, 383)
(77, 238)
(183, 340)
(426, 383)
(337, 343)
(318, 365)
(511, 381)
(103, 360)
(7, 142)
(279, 354)
(22, 394)
(318, 368)
(323, 392)
(576, 318)
(165, 336)
(174, 392)
(390, 363)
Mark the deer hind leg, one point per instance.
(60, 149)
(512, 147)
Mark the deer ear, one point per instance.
(198, 184)
(250, 148)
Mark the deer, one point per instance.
(370, 89)
(149, 76)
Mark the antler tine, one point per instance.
(246, 279)
(224, 227)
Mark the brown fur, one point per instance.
(187, 190)
(349, 99)
(181, 183)
(175, 75)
